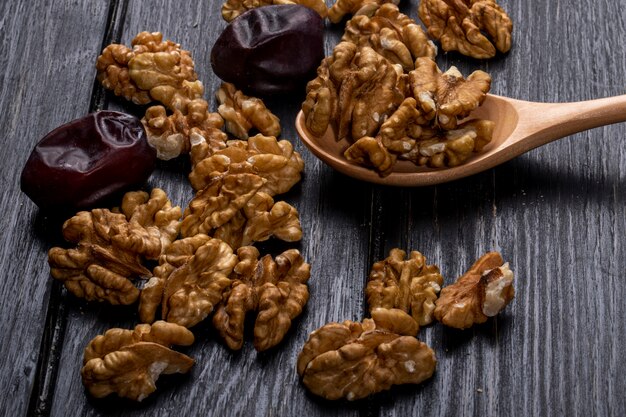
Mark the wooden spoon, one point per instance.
(520, 127)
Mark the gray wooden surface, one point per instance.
(557, 214)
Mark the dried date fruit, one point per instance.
(85, 161)
(270, 49)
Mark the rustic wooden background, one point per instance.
(557, 214)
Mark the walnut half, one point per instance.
(276, 288)
(129, 362)
(459, 26)
(111, 248)
(407, 284)
(481, 292)
(242, 113)
(189, 281)
(353, 360)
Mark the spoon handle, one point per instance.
(546, 122)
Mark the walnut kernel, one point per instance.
(482, 292)
(392, 34)
(242, 113)
(111, 247)
(273, 160)
(406, 284)
(189, 281)
(276, 288)
(459, 26)
(341, 8)
(353, 360)
(152, 70)
(128, 362)
(232, 208)
(175, 134)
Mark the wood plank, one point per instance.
(42, 53)
(557, 215)
(334, 211)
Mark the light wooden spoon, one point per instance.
(520, 127)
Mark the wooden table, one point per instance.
(557, 214)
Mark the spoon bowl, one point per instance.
(520, 127)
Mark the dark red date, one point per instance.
(270, 50)
(82, 163)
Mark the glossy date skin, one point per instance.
(270, 50)
(84, 162)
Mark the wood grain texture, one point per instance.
(43, 48)
(557, 214)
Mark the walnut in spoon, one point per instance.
(519, 127)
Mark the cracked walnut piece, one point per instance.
(368, 94)
(425, 129)
(453, 147)
(175, 134)
(273, 160)
(320, 107)
(355, 91)
(152, 70)
(232, 208)
(353, 360)
(129, 362)
(189, 281)
(461, 25)
(341, 8)
(368, 89)
(111, 247)
(233, 8)
(371, 152)
(242, 113)
(406, 284)
(392, 34)
(481, 292)
(260, 219)
(276, 288)
(447, 97)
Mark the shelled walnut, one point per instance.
(189, 281)
(353, 360)
(260, 219)
(321, 107)
(453, 147)
(461, 25)
(425, 128)
(129, 362)
(276, 288)
(275, 161)
(242, 113)
(406, 284)
(392, 34)
(341, 8)
(233, 8)
(447, 97)
(111, 247)
(232, 208)
(389, 108)
(482, 292)
(174, 134)
(367, 88)
(151, 70)
(371, 152)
